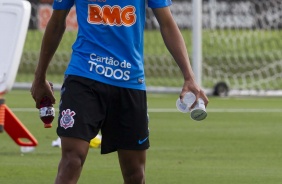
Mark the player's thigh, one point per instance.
(81, 110)
(132, 160)
(126, 125)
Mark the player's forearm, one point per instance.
(50, 43)
(176, 46)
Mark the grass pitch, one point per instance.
(238, 143)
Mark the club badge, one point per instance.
(67, 120)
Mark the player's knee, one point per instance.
(137, 177)
(73, 161)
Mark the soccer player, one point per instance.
(104, 86)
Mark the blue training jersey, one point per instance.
(109, 44)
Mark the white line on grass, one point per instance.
(24, 109)
(175, 110)
(223, 110)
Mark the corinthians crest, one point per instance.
(67, 120)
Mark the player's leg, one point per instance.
(79, 121)
(132, 164)
(74, 152)
(126, 131)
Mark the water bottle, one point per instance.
(199, 112)
(46, 110)
(184, 105)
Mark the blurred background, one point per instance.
(241, 47)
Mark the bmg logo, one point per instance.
(111, 15)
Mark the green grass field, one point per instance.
(238, 143)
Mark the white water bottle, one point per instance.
(198, 112)
(187, 101)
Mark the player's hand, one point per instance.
(40, 89)
(191, 85)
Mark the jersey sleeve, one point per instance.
(159, 3)
(63, 4)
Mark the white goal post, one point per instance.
(247, 35)
(197, 40)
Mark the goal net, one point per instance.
(241, 46)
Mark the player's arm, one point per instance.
(175, 44)
(50, 42)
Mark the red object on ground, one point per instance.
(16, 130)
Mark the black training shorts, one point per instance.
(88, 106)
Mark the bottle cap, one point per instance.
(47, 125)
